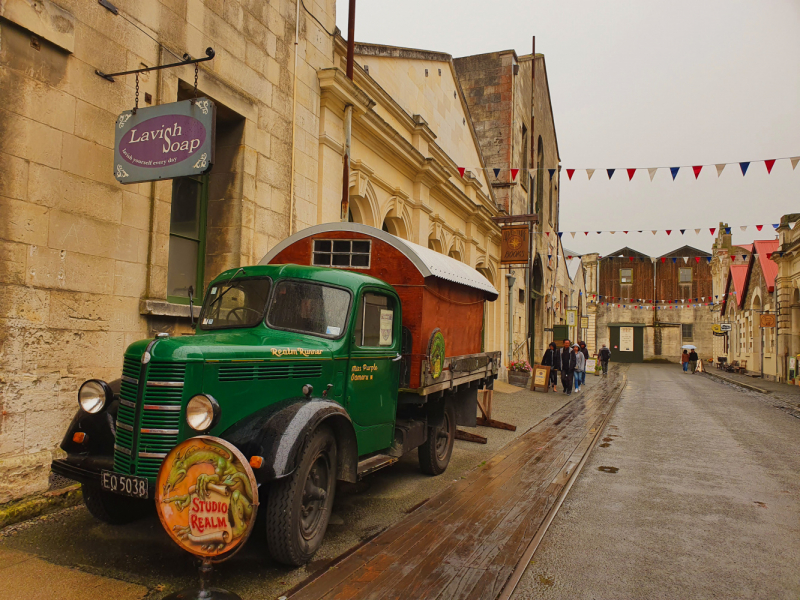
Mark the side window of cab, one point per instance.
(375, 321)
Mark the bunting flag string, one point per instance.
(712, 230)
(696, 169)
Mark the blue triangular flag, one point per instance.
(683, 231)
(551, 171)
(744, 166)
(610, 172)
(744, 256)
(560, 233)
(674, 171)
(776, 225)
(708, 259)
(674, 260)
(727, 230)
(496, 172)
(549, 256)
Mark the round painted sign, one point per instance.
(162, 141)
(436, 353)
(206, 496)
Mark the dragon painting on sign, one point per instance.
(226, 495)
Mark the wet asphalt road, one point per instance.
(694, 492)
(142, 553)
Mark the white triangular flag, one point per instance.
(685, 259)
(590, 172)
(697, 231)
(795, 160)
(681, 300)
(720, 168)
(743, 227)
(652, 173)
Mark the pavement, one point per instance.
(81, 553)
(786, 397)
(693, 494)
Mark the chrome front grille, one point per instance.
(141, 446)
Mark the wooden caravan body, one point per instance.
(436, 291)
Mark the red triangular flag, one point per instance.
(770, 164)
(461, 171)
(570, 172)
(759, 227)
(663, 259)
(712, 230)
(697, 170)
(585, 233)
(697, 259)
(514, 174)
(669, 231)
(624, 232)
(631, 172)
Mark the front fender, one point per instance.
(278, 434)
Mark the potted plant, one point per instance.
(597, 367)
(519, 373)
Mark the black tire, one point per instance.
(435, 453)
(113, 508)
(299, 507)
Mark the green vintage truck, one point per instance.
(315, 373)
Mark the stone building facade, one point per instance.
(788, 291)
(85, 263)
(509, 102)
(663, 302)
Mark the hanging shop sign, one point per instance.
(207, 497)
(720, 328)
(514, 245)
(767, 320)
(165, 141)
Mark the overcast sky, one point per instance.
(642, 83)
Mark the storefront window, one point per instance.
(187, 238)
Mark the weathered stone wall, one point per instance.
(83, 259)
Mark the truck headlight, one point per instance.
(94, 395)
(202, 412)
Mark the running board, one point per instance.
(373, 463)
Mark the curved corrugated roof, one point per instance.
(428, 262)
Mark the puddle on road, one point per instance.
(608, 469)
(761, 504)
(606, 445)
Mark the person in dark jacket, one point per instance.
(567, 367)
(693, 358)
(604, 356)
(552, 359)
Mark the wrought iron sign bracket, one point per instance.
(187, 60)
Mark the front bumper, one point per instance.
(84, 469)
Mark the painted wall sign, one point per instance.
(206, 496)
(626, 339)
(514, 245)
(165, 141)
(572, 317)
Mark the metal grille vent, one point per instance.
(262, 372)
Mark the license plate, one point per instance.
(127, 485)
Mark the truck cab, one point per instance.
(299, 367)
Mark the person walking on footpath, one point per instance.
(604, 356)
(693, 358)
(567, 367)
(585, 352)
(685, 361)
(552, 359)
(580, 367)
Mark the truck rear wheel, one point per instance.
(299, 507)
(434, 454)
(113, 508)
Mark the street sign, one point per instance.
(514, 245)
(767, 321)
(165, 141)
(720, 328)
(207, 497)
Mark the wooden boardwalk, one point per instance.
(466, 541)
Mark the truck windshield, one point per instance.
(241, 304)
(309, 308)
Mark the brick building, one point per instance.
(650, 305)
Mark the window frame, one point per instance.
(682, 270)
(691, 332)
(377, 292)
(350, 254)
(621, 281)
(201, 241)
(263, 312)
(345, 326)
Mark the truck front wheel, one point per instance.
(434, 454)
(299, 507)
(113, 508)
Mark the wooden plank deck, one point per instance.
(465, 542)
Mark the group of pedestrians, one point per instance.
(570, 361)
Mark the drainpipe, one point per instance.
(778, 377)
(511, 281)
(294, 113)
(348, 113)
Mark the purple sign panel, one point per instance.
(164, 142)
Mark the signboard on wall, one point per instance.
(165, 141)
(626, 339)
(720, 328)
(584, 322)
(767, 320)
(572, 317)
(514, 245)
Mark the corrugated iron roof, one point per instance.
(739, 274)
(769, 267)
(429, 262)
